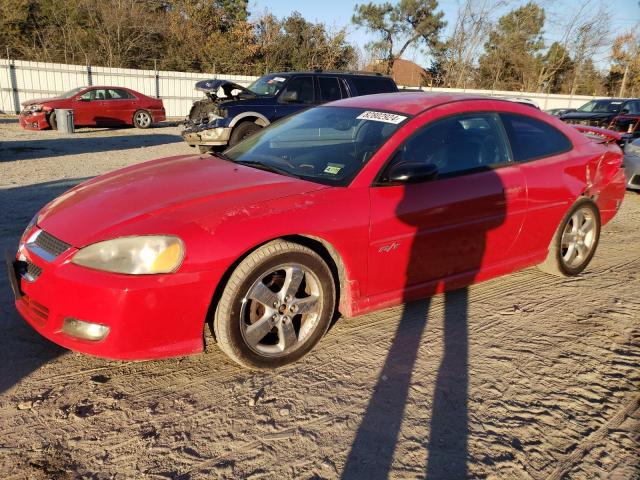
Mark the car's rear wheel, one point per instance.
(276, 306)
(142, 119)
(242, 131)
(53, 122)
(575, 241)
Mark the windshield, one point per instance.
(267, 85)
(72, 93)
(328, 145)
(601, 106)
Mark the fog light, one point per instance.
(85, 330)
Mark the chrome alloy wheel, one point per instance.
(578, 238)
(143, 119)
(281, 310)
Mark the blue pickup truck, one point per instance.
(231, 112)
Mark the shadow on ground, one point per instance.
(73, 144)
(23, 350)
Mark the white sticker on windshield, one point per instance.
(381, 117)
(279, 79)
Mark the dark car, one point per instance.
(558, 112)
(232, 112)
(628, 122)
(94, 106)
(595, 113)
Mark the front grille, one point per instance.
(50, 244)
(39, 313)
(33, 271)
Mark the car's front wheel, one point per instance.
(277, 304)
(53, 122)
(242, 131)
(575, 240)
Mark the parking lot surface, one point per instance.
(527, 376)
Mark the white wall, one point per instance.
(23, 80)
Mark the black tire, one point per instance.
(142, 119)
(555, 262)
(230, 320)
(242, 131)
(52, 121)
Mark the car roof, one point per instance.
(331, 73)
(410, 103)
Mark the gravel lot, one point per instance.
(537, 377)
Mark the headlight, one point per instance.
(143, 255)
(34, 108)
(32, 223)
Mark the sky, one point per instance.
(625, 14)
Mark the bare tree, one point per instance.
(589, 35)
(458, 54)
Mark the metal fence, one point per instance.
(23, 80)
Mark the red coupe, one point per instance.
(94, 106)
(350, 207)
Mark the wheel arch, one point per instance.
(254, 117)
(322, 247)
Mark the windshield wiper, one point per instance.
(267, 167)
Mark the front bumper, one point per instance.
(34, 120)
(217, 136)
(148, 316)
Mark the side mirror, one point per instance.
(412, 172)
(289, 96)
(624, 111)
(81, 99)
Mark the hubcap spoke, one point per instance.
(571, 251)
(258, 330)
(582, 250)
(287, 334)
(261, 293)
(568, 238)
(292, 281)
(586, 226)
(306, 305)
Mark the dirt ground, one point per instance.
(526, 376)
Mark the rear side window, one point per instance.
(329, 89)
(368, 85)
(531, 138)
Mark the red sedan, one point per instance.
(350, 207)
(95, 106)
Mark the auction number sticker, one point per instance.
(381, 117)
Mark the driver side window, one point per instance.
(298, 90)
(454, 146)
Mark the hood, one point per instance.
(37, 101)
(587, 115)
(223, 89)
(106, 206)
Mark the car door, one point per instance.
(86, 107)
(119, 106)
(460, 222)
(545, 157)
(298, 93)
